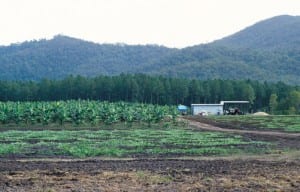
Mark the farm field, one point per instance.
(151, 175)
(81, 112)
(125, 142)
(136, 147)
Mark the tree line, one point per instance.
(276, 98)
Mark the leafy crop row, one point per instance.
(82, 111)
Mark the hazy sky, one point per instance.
(174, 23)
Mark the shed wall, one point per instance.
(210, 109)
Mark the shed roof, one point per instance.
(223, 102)
(206, 104)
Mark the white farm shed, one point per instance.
(209, 109)
(219, 109)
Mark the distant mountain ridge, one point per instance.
(266, 51)
(62, 56)
(274, 33)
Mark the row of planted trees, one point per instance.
(155, 90)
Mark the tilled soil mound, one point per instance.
(150, 175)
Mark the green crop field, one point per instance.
(92, 128)
(82, 112)
(271, 122)
(121, 141)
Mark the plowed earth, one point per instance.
(150, 175)
(264, 173)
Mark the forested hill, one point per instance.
(266, 51)
(62, 56)
(281, 32)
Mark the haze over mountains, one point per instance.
(266, 51)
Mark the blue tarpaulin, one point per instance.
(182, 107)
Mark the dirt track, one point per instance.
(282, 140)
(197, 122)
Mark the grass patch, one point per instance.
(121, 141)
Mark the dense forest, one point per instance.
(276, 98)
(267, 51)
(280, 32)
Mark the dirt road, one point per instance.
(197, 122)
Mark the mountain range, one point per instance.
(266, 51)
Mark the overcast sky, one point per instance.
(173, 23)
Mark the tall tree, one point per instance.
(293, 101)
(273, 103)
(194, 91)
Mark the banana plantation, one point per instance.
(83, 112)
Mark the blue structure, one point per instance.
(182, 109)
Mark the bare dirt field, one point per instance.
(270, 172)
(150, 175)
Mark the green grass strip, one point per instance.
(125, 143)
